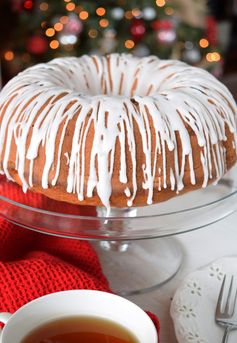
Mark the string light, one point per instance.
(68, 39)
(129, 44)
(64, 20)
(50, 32)
(160, 3)
(203, 43)
(44, 6)
(136, 12)
(128, 15)
(209, 57)
(54, 44)
(70, 7)
(58, 27)
(92, 33)
(213, 57)
(104, 22)
(9, 55)
(43, 24)
(216, 56)
(100, 11)
(169, 11)
(83, 15)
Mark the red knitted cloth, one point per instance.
(33, 264)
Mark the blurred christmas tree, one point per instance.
(38, 30)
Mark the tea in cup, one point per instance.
(78, 316)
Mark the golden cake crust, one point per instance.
(144, 164)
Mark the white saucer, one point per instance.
(194, 304)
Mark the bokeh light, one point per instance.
(9, 55)
(203, 43)
(64, 20)
(28, 4)
(104, 23)
(54, 44)
(100, 11)
(44, 6)
(50, 32)
(129, 44)
(70, 7)
(213, 57)
(58, 27)
(160, 3)
(83, 15)
(92, 33)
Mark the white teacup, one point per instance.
(77, 302)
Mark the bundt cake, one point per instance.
(117, 130)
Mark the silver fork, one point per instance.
(225, 311)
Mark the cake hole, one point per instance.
(107, 78)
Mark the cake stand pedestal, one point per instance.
(133, 244)
(148, 263)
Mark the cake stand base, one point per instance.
(139, 266)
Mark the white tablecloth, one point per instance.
(200, 248)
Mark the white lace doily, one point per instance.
(194, 303)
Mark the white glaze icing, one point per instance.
(112, 93)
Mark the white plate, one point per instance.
(194, 304)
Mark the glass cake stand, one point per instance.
(135, 244)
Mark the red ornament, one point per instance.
(164, 24)
(28, 5)
(211, 30)
(164, 31)
(21, 5)
(138, 29)
(17, 5)
(37, 45)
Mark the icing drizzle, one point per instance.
(113, 93)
